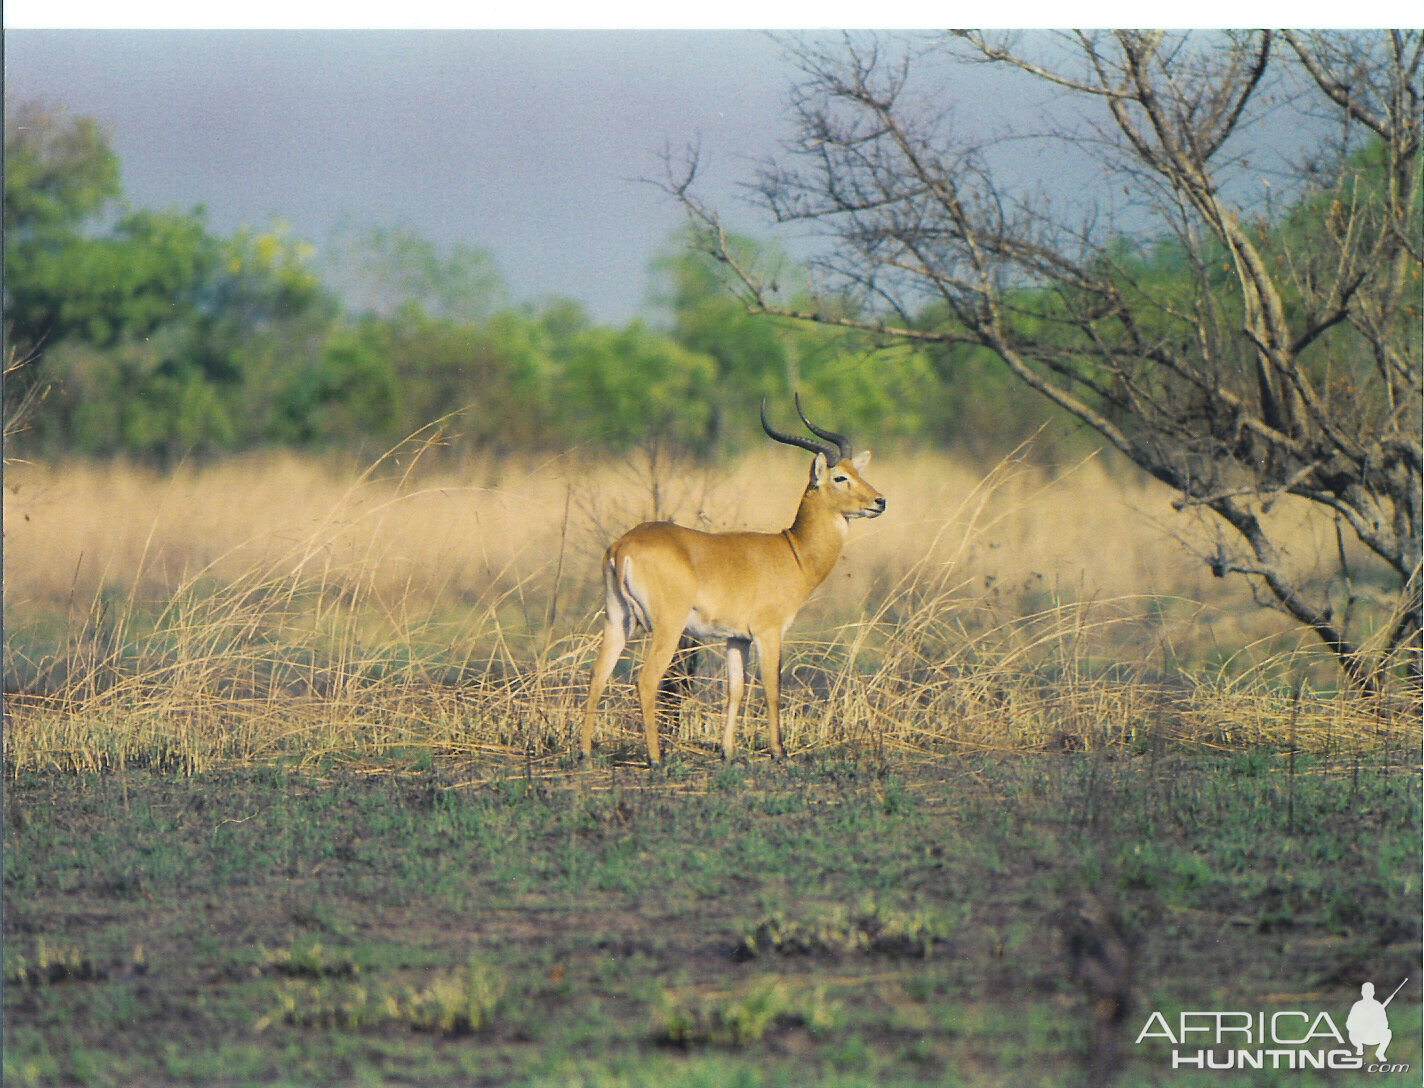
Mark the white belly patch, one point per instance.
(699, 626)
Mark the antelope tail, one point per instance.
(635, 610)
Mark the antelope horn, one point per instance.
(795, 440)
(840, 440)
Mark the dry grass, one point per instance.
(280, 605)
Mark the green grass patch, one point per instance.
(841, 920)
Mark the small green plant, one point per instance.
(455, 1003)
(450, 1003)
(347, 1005)
(819, 1011)
(308, 959)
(1251, 763)
(742, 1018)
(54, 962)
(728, 778)
(51, 963)
(1152, 866)
(893, 797)
(853, 1053)
(835, 930)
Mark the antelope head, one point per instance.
(836, 480)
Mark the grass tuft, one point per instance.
(742, 1017)
(449, 1003)
(834, 930)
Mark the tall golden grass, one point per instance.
(275, 605)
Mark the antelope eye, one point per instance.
(841, 479)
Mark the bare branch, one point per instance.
(1238, 357)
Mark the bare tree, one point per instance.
(1238, 344)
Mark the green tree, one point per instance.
(123, 284)
(381, 271)
(497, 375)
(169, 325)
(59, 171)
(353, 395)
(865, 386)
(149, 333)
(748, 355)
(623, 386)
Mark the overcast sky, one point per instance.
(528, 144)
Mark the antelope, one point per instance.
(743, 587)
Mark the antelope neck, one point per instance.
(815, 539)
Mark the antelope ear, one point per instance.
(819, 467)
(860, 460)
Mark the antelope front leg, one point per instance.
(736, 684)
(769, 648)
